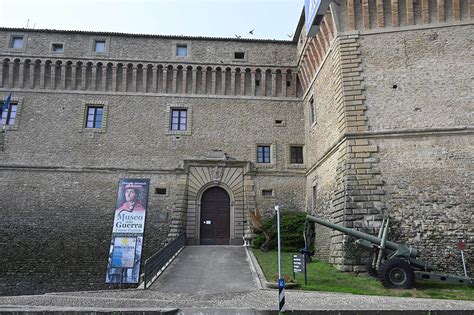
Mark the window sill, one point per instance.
(296, 165)
(178, 133)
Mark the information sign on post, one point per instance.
(299, 265)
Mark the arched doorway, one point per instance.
(215, 217)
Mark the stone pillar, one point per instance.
(12, 74)
(232, 82)
(113, 84)
(252, 82)
(94, 78)
(124, 78)
(164, 79)
(1, 74)
(185, 80)
(174, 83)
(274, 81)
(63, 77)
(213, 82)
(83, 77)
(283, 83)
(194, 84)
(204, 82)
(21, 74)
(263, 83)
(105, 69)
(223, 80)
(293, 84)
(31, 74)
(154, 79)
(41, 74)
(134, 79)
(242, 82)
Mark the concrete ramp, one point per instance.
(208, 270)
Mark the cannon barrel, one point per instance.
(364, 236)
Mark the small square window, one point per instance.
(95, 115)
(99, 46)
(160, 191)
(9, 115)
(296, 155)
(16, 42)
(263, 154)
(181, 50)
(57, 48)
(179, 118)
(239, 55)
(267, 192)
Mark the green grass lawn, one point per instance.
(323, 277)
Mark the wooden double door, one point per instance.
(215, 217)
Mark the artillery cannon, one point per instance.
(396, 265)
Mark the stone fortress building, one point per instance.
(371, 118)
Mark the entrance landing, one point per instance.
(208, 270)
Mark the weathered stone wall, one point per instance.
(153, 48)
(423, 79)
(428, 182)
(136, 135)
(57, 225)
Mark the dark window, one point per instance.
(17, 42)
(288, 83)
(99, 46)
(59, 48)
(257, 82)
(267, 192)
(263, 154)
(94, 116)
(178, 119)
(296, 155)
(239, 55)
(181, 50)
(314, 195)
(312, 111)
(9, 115)
(160, 191)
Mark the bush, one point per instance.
(291, 229)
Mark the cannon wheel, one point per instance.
(396, 273)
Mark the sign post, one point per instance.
(281, 281)
(462, 247)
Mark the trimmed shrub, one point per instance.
(291, 229)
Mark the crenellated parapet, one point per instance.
(145, 77)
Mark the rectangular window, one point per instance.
(16, 42)
(160, 191)
(312, 110)
(179, 119)
(263, 154)
(8, 116)
(181, 50)
(99, 46)
(57, 48)
(267, 192)
(314, 191)
(239, 55)
(296, 155)
(94, 116)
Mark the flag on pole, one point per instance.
(5, 106)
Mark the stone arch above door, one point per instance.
(231, 179)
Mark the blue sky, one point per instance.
(271, 19)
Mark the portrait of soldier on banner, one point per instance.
(131, 206)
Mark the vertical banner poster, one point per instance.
(127, 232)
(131, 206)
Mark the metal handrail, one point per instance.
(158, 262)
